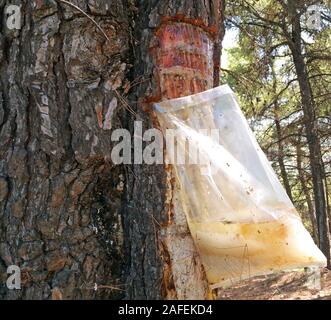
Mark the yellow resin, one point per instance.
(235, 251)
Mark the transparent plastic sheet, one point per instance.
(239, 214)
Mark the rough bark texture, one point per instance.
(175, 57)
(60, 197)
(68, 217)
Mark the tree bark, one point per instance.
(175, 57)
(60, 196)
(303, 182)
(281, 162)
(78, 226)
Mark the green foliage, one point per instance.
(261, 72)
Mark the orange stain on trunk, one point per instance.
(184, 59)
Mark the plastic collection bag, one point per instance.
(239, 215)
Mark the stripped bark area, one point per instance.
(184, 59)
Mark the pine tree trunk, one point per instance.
(77, 225)
(60, 196)
(177, 55)
(308, 105)
(304, 183)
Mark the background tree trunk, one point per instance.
(308, 106)
(71, 220)
(304, 185)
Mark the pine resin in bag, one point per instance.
(240, 217)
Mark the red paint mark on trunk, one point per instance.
(184, 60)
